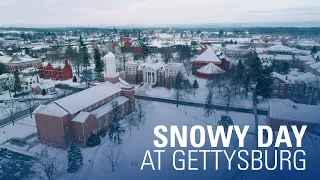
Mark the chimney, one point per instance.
(286, 77)
(65, 61)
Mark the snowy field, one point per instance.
(96, 166)
(141, 140)
(201, 94)
(133, 147)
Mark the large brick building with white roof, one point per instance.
(76, 117)
(288, 113)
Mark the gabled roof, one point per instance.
(81, 117)
(51, 109)
(210, 69)
(209, 56)
(83, 99)
(108, 106)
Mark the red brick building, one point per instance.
(126, 41)
(78, 116)
(56, 71)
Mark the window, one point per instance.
(99, 124)
(288, 123)
(281, 92)
(79, 138)
(290, 87)
(106, 119)
(282, 86)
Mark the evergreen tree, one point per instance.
(44, 92)
(98, 62)
(225, 121)
(17, 82)
(221, 33)
(208, 107)
(74, 79)
(84, 54)
(314, 49)
(239, 74)
(195, 86)
(86, 76)
(75, 158)
(3, 68)
(99, 77)
(285, 68)
(115, 131)
(264, 83)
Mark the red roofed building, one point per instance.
(207, 57)
(56, 71)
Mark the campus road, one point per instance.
(201, 104)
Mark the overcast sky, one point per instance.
(151, 12)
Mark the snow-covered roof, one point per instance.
(43, 85)
(108, 106)
(280, 76)
(292, 78)
(279, 47)
(304, 58)
(315, 65)
(51, 109)
(81, 117)
(109, 55)
(153, 66)
(294, 112)
(22, 58)
(283, 57)
(123, 84)
(29, 70)
(210, 69)
(5, 59)
(86, 98)
(208, 55)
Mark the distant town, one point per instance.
(84, 101)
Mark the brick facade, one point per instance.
(59, 72)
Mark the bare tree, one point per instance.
(227, 96)
(216, 80)
(49, 166)
(188, 67)
(31, 103)
(114, 156)
(131, 122)
(123, 59)
(10, 108)
(142, 108)
(178, 85)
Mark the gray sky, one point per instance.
(151, 12)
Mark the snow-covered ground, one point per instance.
(96, 166)
(20, 129)
(133, 147)
(201, 94)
